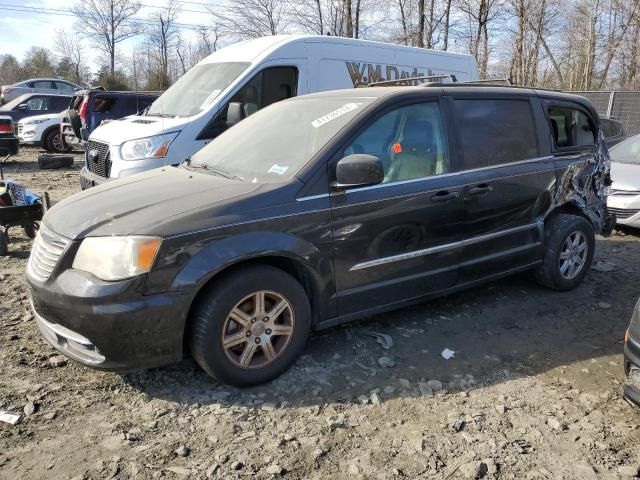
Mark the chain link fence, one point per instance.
(623, 106)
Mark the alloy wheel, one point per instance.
(258, 329)
(58, 143)
(573, 255)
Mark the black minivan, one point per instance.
(319, 210)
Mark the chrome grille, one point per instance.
(20, 128)
(623, 213)
(97, 158)
(45, 253)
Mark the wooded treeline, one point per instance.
(561, 44)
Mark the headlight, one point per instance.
(35, 122)
(117, 258)
(150, 147)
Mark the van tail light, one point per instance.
(6, 127)
(83, 109)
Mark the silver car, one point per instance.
(36, 85)
(624, 199)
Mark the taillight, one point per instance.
(6, 128)
(83, 109)
(7, 89)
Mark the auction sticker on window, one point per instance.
(278, 169)
(346, 108)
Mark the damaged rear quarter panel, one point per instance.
(582, 181)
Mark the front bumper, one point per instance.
(89, 179)
(109, 325)
(631, 389)
(626, 208)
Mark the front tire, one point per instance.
(249, 327)
(569, 248)
(54, 142)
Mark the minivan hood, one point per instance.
(142, 204)
(116, 132)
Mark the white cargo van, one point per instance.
(251, 75)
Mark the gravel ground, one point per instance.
(533, 391)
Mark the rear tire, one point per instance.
(234, 339)
(569, 248)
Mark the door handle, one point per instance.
(443, 196)
(480, 189)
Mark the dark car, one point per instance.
(91, 107)
(317, 211)
(32, 104)
(8, 140)
(632, 358)
(613, 130)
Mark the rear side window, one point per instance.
(494, 132)
(43, 84)
(610, 128)
(103, 105)
(59, 103)
(571, 128)
(137, 105)
(64, 86)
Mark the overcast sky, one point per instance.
(21, 30)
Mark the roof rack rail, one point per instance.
(411, 81)
(492, 81)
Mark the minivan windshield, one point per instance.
(627, 151)
(197, 89)
(273, 144)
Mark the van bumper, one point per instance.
(88, 179)
(115, 328)
(631, 389)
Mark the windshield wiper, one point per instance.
(216, 171)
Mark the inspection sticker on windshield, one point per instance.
(278, 170)
(346, 108)
(209, 100)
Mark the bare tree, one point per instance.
(69, 47)
(253, 18)
(162, 37)
(319, 17)
(479, 14)
(107, 23)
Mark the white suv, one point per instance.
(43, 130)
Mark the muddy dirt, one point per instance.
(533, 391)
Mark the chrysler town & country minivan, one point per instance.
(319, 210)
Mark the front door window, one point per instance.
(410, 141)
(266, 87)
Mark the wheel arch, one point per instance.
(568, 208)
(295, 267)
(45, 134)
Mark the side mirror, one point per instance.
(359, 170)
(22, 106)
(234, 113)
